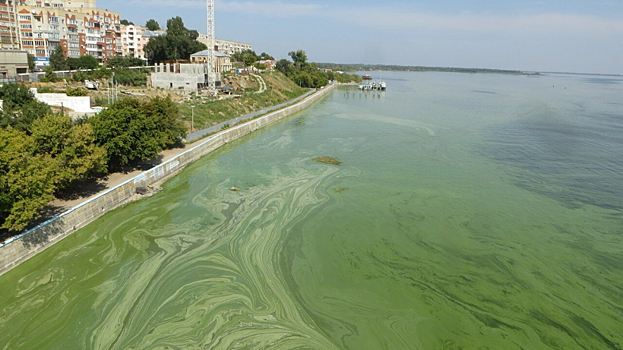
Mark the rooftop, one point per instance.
(206, 52)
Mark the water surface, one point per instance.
(470, 212)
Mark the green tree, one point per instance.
(131, 131)
(27, 180)
(178, 43)
(49, 76)
(31, 62)
(72, 63)
(156, 49)
(58, 60)
(247, 57)
(166, 114)
(302, 73)
(284, 66)
(126, 133)
(20, 108)
(299, 57)
(265, 56)
(72, 147)
(88, 62)
(152, 25)
(125, 22)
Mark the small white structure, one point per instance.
(79, 105)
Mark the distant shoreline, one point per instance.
(397, 68)
(394, 68)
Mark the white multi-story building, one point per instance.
(225, 46)
(134, 38)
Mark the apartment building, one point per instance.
(78, 27)
(225, 46)
(134, 38)
(9, 31)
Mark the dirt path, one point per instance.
(115, 179)
(261, 81)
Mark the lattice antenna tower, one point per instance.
(211, 39)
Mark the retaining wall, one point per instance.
(20, 248)
(81, 104)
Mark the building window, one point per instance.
(25, 26)
(39, 43)
(24, 18)
(40, 52)
(27, 42)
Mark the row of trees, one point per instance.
(249, 56)
(58, 61)
(44, 153)
(307, 74)
(151, 24)
(114, 65)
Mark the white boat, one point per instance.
(369, 84)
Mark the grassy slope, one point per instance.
(208, 113)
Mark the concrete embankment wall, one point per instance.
(19, 249)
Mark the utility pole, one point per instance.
(192, 118)
(211, 41)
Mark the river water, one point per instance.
(470, 212)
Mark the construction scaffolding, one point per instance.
(211, 40)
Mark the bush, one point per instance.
(117, 62)
(46, 90)
(49, 76)
(130, 77)
(20, 108)
(76, 91)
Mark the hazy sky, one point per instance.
(551, 35)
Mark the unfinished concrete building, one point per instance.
(181, 76)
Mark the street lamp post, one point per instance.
(192, 118)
